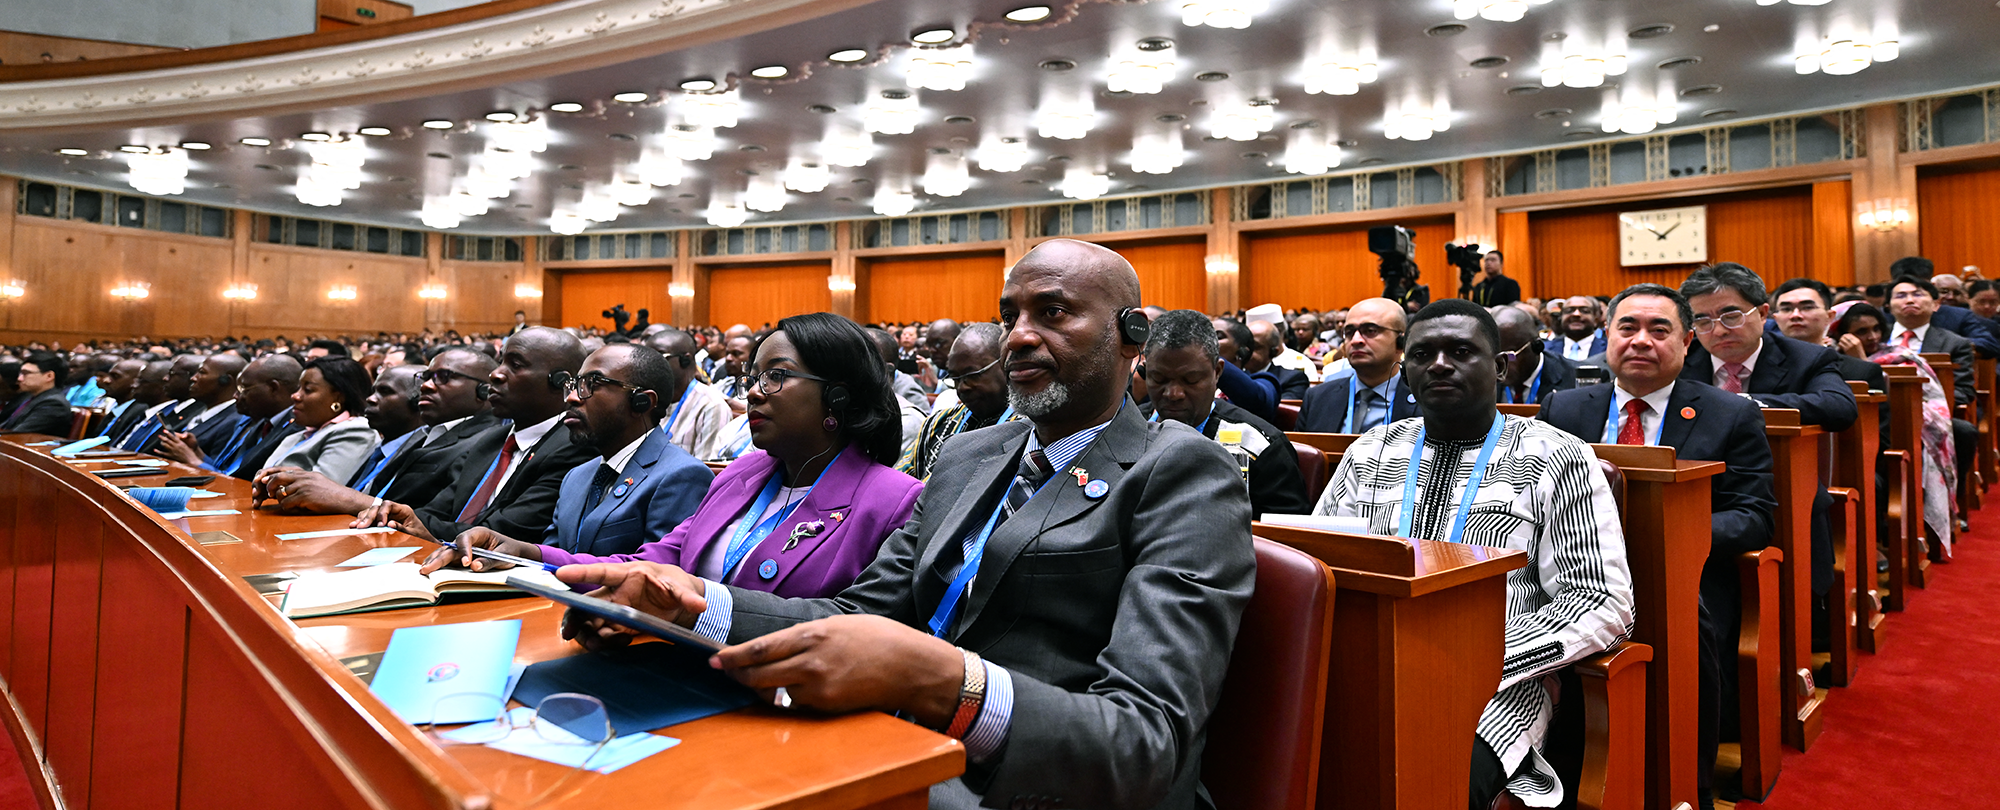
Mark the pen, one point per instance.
(509, 558)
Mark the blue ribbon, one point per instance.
(1408, 517)
(746, 537)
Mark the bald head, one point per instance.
(1067, 366)
(938, 338)
(557, 349)
(679, 349)
(266, 387)
(1089, 266)
(983, 339)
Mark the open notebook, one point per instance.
(398, 585)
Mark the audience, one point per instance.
(1183, 364)
(1529, 374)
(1580, 330)
(699, 412)
(1374, 393)
(980, 383)
(40, 407)
(334, 438)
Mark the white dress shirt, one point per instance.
(526, 438)
(1649, 422)
(1749, 368)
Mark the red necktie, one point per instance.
(484, 494)
(1908, 338)
(1732, 377)
(1630, 431)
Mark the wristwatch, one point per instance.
(971, 695)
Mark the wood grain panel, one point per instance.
(292, 285)
(34, 585)
(141, 661)
(585, 296)
(1325, 269)
(291, 772)
(479, 296)
(1576, 250)
(69, 271)
(1832, 256)
(1958, 218)
(10, 495)
(73, 666)
(903, 290)
(761, 294)
(1517, 248)
(1172, 275)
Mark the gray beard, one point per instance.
(1099, 364)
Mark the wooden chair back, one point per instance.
(1265, 735)
(1288, 413)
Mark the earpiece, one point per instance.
(482, 391)
(641, 401)
(1401, 337)
(556, 380)
(686, 359)
(1133, 326)
(836, 398)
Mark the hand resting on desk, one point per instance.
(480, 537)
(298, 490)
(394, 515)
(181, 447)
(661, 590)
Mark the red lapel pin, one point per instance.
(1687, 413)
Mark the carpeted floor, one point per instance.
(14, 791)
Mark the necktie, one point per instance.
(1630, 431)
(1521, 394)
(1909, 338)
(1732, 377)
(232, 458)
(1028, 477)
(599, 483)
(1365, 401)
(143, 433)
(484, 494)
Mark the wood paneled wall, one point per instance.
(1779, 233)
(756, 294)
(926, 288)
(1960, 225)
(586, 295)
(292, 285)
(1172, 275)
(1331, 268)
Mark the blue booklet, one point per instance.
(424, 664)
(644, 686)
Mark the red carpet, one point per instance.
(1906, 733)
(14, 791)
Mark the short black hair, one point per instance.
(650, 371)
(1503, 256)
(1876, 291)
(347, 377)
(843, 352)
(334, 348)
(1825, 293)
(1918, 282)
(1181, 328)
(1725, 275)
(1448, 307)
(1912, 266)
(1977, 286)
(48, 361)
(1246, 343)
(1680, 302)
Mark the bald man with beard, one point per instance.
(1530, 373)
(1084, 691)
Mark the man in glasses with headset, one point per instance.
(1529, 374)
(1374, 394)
(981, 386)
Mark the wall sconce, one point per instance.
(1885, 215)
(432, 292)
(343, 292)
(241, 292)
(680, 290)
(527, 291)
(132, 291)
(840, 284)
(11, 290)
(1220, 265)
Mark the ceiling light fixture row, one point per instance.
(1495, 10)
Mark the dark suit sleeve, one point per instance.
(1259, 397)
(1823, 397)
(1741, 500)
(676, 498)
(1980, 332)
(1964, 389)
(1276, 485)
(48, 415)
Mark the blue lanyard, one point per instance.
(1611, 424)
(676, 417)
(1408, 517)
(946, 609)
(1354, 385)
(1534, 391)
(960, 427)
(746, 538)
(1204, 423)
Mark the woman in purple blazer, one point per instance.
(805, 512)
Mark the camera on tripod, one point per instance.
(1395, 248)
(1466, 259)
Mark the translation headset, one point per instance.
(482, 390)
(835, 397)
(1133, 326)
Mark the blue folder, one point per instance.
(424, 664)
(644, 686)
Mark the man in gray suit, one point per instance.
(1080, 647)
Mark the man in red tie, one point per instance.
(1649, 402)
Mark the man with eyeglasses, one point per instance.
(1804, 313)
(1580, 330)
(698, 414)
(1374, 392)
(1737, 355)
(1528, 375)
(981, 385)
(1182, 364)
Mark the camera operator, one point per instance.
(1495, 289)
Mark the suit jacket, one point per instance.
(857, 502)
(214, 434)
(525, 505)
(1556, 374)
(1496, 292)
(1325, 407)
(1963, 323)
(1554, 345)
(661, 485)
(418, 474)
(1114, 616)
(335, 450)
(1291, 383)
(1960, 349)
(253, 459)
(1790, 374)
(1276, 485)
(123, 421)
(1725, 428)
(47, 413)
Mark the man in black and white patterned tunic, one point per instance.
(1534, 488)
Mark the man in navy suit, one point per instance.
(1580, 327)
(642, 485)
(213, 393)
(1532, 375)
(1650, 402)
(1804, 310)
(1958, 320)
(1376, 392)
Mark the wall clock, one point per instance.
(1664, 236)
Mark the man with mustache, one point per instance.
(1581, 330)
(1374, 393)
(1053, 546)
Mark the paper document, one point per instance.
(379, 556)
(334, 533)
(201, 513)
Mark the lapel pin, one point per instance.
(1082, 476)
(1096, 489)
(1687, 413)
(837, 517)
(804, 530)
(767, 569)
(622, 488)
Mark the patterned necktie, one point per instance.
(599, 483)
(1630, 431)
(1364, 401)
(1028, 477)
(484, 494)
(1732, 377)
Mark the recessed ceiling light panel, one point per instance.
(74, 152)
(566, 107)
(375, 132)
(501, 116)
(1028, 14)
(848, 55)
(770, 72)
(316, 137)
(438, 124)
(698, 85)
(934, 36)
(631, 97)
(254, 141)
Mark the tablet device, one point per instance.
(189, 481)
(126, 472)
(650, 625)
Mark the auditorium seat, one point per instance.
(1312, 468)
(1264, 738)
(1288, 413)
(1614, 711)
(79, 421)
(1758, 701)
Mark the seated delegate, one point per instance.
(334, 438)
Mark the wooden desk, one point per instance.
(1909, 558)
(1667, 535)
(1418, 644)
(145, 673)
(1856, 609)
(1795, 467)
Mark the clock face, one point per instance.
(1665, 236)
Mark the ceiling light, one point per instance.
(947, 175)
(718, 110)
(375, 132)
(163, 172)
(438, 124)
(627, 98)
(438, 213)
(1846, 57)
(315, 137)
(1028, 14)
(566, 107)
(690, 142)
(935, 36)
(891, 112)
(893, 202)
(195, 146)
(1340, 76)
(657, 167)
(771, 72)
(74, 152)
(939, 68)
(1242, 122)
(1794, 2)
(1158, 153)
(335, 167)
(1003, 155)
(1582, 69)
(1412, 119)
(698, 85)
(1080, 183)
(848, 55)
(255, 141)
(1223, 13)
(1633, 112)
(805, 176)
(764, 193)
(567, 223)
(1495, 10)
(598, 206)
(135, 149)
(501, 116)
(1311, 152)
(630, 192)
(725, 215)
(1141, 71)
(1065, 119)
(846, 146)
(467, 204)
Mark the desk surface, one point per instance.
(757, 757)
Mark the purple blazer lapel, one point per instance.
(835, 493)
(728, 496)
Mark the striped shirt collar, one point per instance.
(1068, 448)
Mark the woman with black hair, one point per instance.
(802, 514)
(337, 438)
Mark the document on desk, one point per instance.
(335, 533)
(528, 741)
(79, 446)
(424, 664)
(378, 556)
(643, 687)
(398, 585)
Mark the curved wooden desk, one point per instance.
(142, 671)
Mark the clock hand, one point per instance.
(1663, 234)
